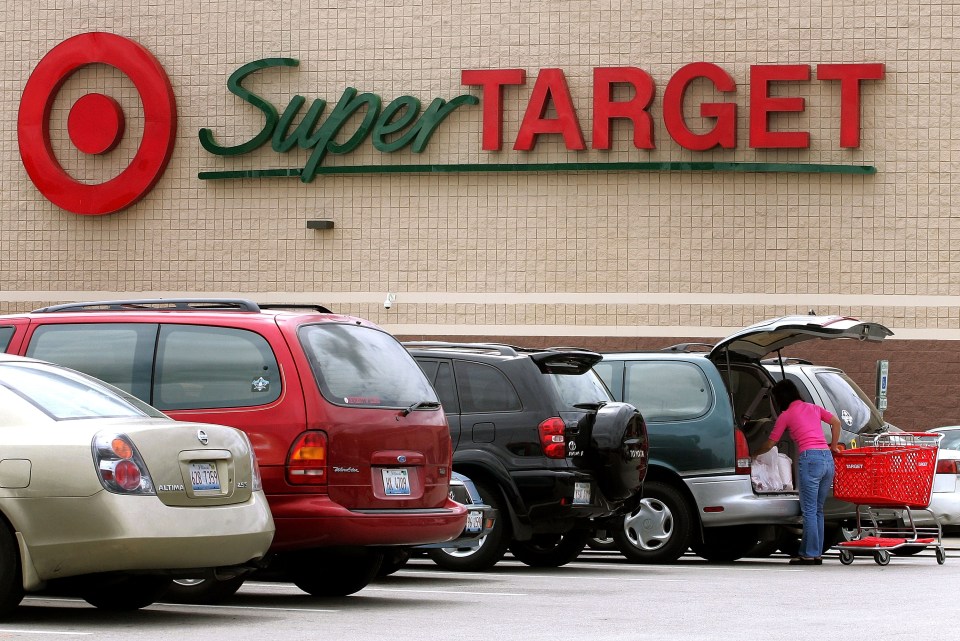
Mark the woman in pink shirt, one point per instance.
(803, 421)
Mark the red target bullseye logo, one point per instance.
(96, 124)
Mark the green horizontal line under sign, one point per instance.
(746, 167)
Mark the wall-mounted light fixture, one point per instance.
(319, 224)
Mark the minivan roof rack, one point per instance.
(158, 304)
(688, 347)
(313, 308)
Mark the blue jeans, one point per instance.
(816, 477)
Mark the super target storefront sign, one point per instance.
(95, 122)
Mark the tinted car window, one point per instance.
(205, 367)
(666, 391)
(483, 388)
(121, 354)
(356, 365)
(950, 440)
(6, 333)
(856, 411)
(581, 388)
(64, 395)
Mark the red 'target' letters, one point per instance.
(635, 109)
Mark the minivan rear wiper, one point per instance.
(418, 405)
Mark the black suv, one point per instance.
(544, 441)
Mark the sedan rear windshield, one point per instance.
(63, 395)
(951, 440)
(361, 366)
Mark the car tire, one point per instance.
(203, 591)
(659, 529)
(492, 546)
(550, 550)
(11, 578)
(123, 593)
(335, 572)
(393, 560)
(726, 544)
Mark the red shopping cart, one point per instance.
(895, 472)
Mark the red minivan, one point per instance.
(354, 449)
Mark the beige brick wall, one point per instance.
(550, 253)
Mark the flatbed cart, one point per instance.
(895, 472)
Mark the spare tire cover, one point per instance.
(613, 446)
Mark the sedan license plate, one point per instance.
(581, 494)
(396, 482)
(474, 521)
(204, 477)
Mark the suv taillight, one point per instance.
(947, 466)
(742, 453)
(551, 438)
(307, 461)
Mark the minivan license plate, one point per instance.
(396, 482)
(203, 476)
(581, 494)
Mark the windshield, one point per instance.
(360, 366)
(855, 410)
(63, 394)
(580, 388)
(950, 440)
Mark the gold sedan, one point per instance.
(105, 496)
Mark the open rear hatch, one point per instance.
(757, 341)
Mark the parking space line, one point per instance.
(56, 632)
(376, 589)
(174, 606)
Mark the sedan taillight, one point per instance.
(119, 465)
(551, 438)
(307, 461)
(947, 466)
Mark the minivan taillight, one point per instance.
(742, 453)
(307, 461)
(947, 466)
(551, 438)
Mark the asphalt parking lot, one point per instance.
(596, 597)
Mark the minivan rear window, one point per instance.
(360, 366)
(6, 333)
(667, 391)
(118, 353)
(202, 367)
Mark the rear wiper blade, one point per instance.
(419, 405)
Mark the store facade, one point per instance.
(615, 175)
